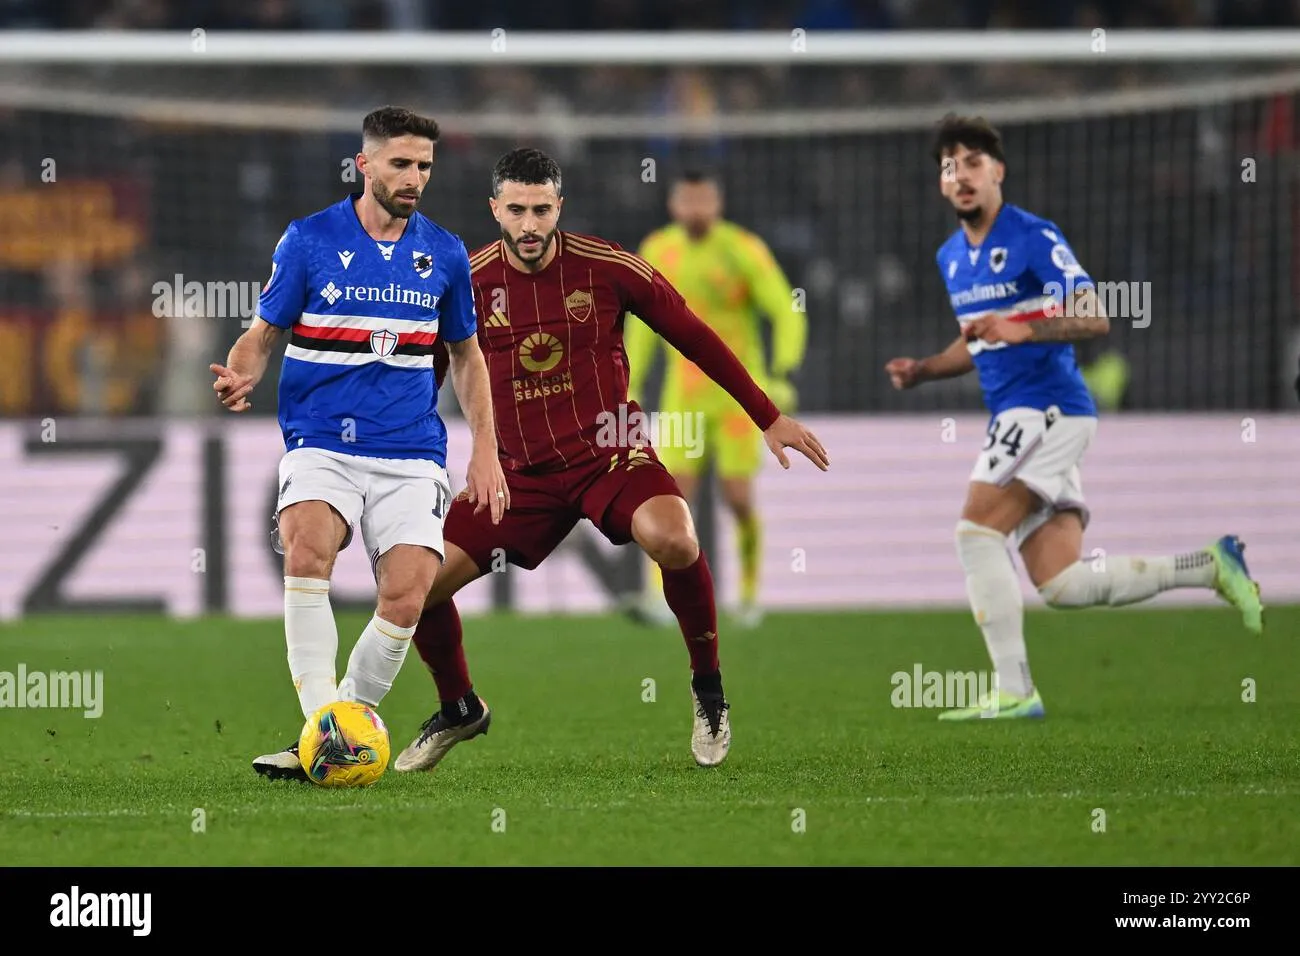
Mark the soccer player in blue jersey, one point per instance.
(1021, 299)
(363, 289)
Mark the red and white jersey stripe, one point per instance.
(362, 339)
(1026, 310)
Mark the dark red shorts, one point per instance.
(545, 508)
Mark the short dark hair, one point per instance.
(973, 132)
(389, 122)
(525, 165)
(696, 175)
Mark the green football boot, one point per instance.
(1233, 583)
(999, 705)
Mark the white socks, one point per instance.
(993, 587)
(375, 661)
(313, 641)
(1116, 581)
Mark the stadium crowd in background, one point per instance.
(77, 334)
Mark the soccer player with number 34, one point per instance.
(1021, 300)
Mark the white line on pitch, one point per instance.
(405, 805)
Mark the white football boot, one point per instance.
(711, 737)
(437, 736)
(284, 765)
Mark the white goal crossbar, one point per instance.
(796, 47)
(1271, 52)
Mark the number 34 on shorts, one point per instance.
(1024, 442)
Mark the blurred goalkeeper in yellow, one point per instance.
(729, 278)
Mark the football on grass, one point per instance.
(344, 744)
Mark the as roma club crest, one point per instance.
(578, 305)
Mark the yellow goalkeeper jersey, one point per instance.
(729, 278)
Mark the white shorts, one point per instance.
(1043, 449)
(395, 501)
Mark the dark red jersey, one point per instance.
(553, 342)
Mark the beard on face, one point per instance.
(971, 214)
(513, 244)
(390, 204)
(697, 228)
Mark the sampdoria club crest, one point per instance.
(383, 342)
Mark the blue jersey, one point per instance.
(1023, 267)
(364, 315)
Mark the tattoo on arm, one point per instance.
(1067, 328)
(1084, 319)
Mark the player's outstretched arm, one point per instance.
(484, 479)
(664, 310)
(245, 365)
(952, 362)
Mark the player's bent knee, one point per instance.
(403, 610)
(662, 526)
(672, 548)
(311, 533)
(306, 558)
(1076, 587)
(683, 550)
(406, 573)
(1000, 507)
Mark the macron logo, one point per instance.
(346, 258)
(102, 909)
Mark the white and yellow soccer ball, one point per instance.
(344, 744)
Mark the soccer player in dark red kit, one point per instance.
(550, 306)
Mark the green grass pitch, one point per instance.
(1172, 737)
